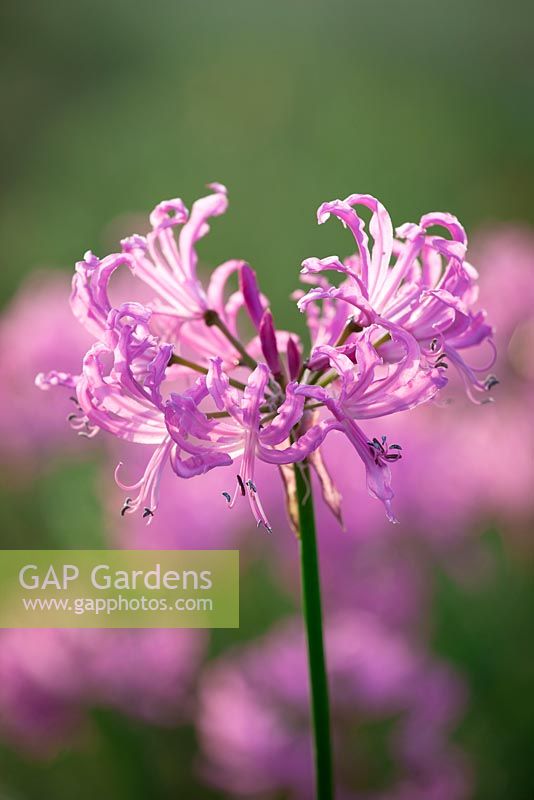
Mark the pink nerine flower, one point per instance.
(168, 266)
(178, 374)
(418, 281)
(366, 387)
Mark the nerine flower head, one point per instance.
(184, 374)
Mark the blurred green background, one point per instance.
(108, 107)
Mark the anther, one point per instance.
(241, 485)
(251, 486)
(490, 382)
(227, 497)
(147, 512)
(380, 450)
(127, 506)
(265, 525)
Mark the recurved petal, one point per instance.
(350, 218)
(288, 414)
(191, 465)
(378, 472)
(213, 205)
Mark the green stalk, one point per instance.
(212, 318)
(184, 362)
(311, 606)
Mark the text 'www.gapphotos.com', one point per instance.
(120, 604)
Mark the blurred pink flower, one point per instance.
(33, 336)
(253, 719)
(505, 256)
(49, 679)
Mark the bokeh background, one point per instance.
(108, 107)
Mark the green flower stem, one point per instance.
(184, 362)
(212, 318)
(311, 603)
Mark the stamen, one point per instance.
(80, 423)
(381, 451)
(89, 431)
(262, 524)
(241, 485)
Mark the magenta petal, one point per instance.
(268, 343)
(294, 360)
(248, 285)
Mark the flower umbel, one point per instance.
(179, 374)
